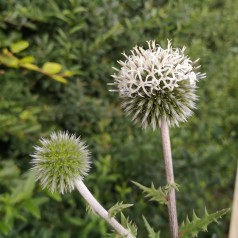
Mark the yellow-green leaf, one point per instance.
(59, 78)
(19, 46)
(27, 59)
(5, 51)
(52, 68)
(9, 61)
(68, 73)
(30, 66)
(25, 115)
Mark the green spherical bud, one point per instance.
(157, 83)
(59, 160)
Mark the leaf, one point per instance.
(59, 78)
(25, 115)
(30, 66)
(27, 59)
(23, 190)
(129, 225)
(76, 28)
(30, 182)
(150, 230)
(10, 61)
(118, 207)
(9, 170)
(76, 221)
(56, 196)
(4, 227)
(191, 228)
(19, 46)
(160, 194)
(90, 210)
(52, 68)
(114, 30)
(32, 208)
(68, 73)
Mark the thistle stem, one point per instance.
(173, 222)
(233, 233)
(99, 209)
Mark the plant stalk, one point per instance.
(100, 210)
(167, 155)
(234, 214)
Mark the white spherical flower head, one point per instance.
(59, 161)
(157, 83)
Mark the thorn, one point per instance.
(195, 217)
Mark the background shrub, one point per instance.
(88, 38)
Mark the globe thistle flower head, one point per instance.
(59, 160)
(154, 83)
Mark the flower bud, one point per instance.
(60, 160)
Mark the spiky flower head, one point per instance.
(59, 160)
(157, 83)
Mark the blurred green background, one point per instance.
(87, 37)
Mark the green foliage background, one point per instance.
(88, 38)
